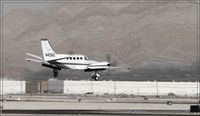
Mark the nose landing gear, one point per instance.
(95, 76)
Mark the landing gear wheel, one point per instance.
(96, 78)
(55, 73)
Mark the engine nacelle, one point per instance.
(101, 64)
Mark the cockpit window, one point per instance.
(86, 58)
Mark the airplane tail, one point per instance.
(47, 51)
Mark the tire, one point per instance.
(96, 78)
(55, 73)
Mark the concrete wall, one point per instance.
(131, 87)
(13, 87)
(100, 87)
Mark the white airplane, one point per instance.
(68, 61)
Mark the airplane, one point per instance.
(69, 61)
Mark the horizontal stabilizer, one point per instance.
(35, 56)
(33, 60)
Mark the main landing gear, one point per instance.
(95, 76)
(55, 73)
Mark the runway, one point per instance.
(62, 105)
(100, 112)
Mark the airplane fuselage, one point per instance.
(78, 61)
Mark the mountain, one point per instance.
(137, 35)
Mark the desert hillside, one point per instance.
(137, 35)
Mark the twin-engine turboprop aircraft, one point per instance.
(68, 61)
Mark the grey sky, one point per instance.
(9, 6)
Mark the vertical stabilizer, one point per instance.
(47, 50)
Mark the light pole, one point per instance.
(157, 87)
(91, 86)
(114, 87)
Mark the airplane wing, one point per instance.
(101, 67)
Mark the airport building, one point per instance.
(49, 86)
(43, 86)
(55, 86)
(32, 87)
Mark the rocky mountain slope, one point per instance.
(137, 35)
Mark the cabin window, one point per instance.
(70, 58)
(74, 58)
(81, 58)
(77, 58)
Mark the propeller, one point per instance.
(112, 63)
(108, 57)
